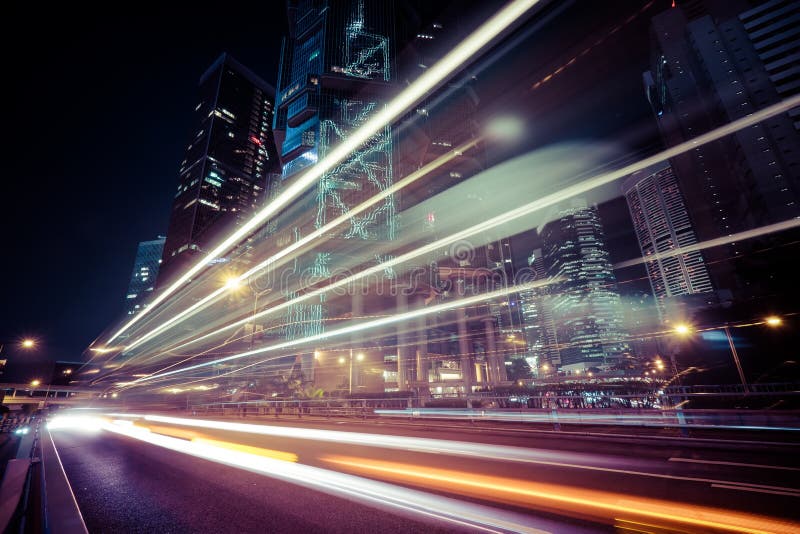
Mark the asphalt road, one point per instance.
(123, 484)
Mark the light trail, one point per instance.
(657, 419)
(320, 232)
(554, 458)
(397, 499)
(604, 506)
(352, 329)
(514, 214)
(716, 242)
(428, 81)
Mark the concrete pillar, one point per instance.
(356, 339)
(421, 328)
(402, 341)
(494, 362)
(491, 351)
(463, 342)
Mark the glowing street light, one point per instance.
(683, 329)
(36, 382)
(773, 321)
(28, 343)
(233, 283)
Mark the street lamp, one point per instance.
(27, 344)
(771, 321)
(683, 329)
(233, 283)
(358, 357)
(35, 382)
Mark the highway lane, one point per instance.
(122, 485)
(549, 474)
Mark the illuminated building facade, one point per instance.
(145, 273)
(583, 298)
(538, 326)
(662, 227)
(336, 72)
(228, 164)
(336, 68)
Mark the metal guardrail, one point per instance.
(585, 408)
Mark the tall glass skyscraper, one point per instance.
(229, 162)
(145, 272)
(583, 296)
(663, 227)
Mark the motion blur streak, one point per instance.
(83, 423)
(394, 498)
(320, 232)
(353, 328)
(605, 506)
(527, 209)
(567, 459)
(733, 238)
(657, 420)
(249, 449)
(439, 72)
(460, 448)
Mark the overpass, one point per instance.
(19, 393)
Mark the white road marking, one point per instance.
(738, 464)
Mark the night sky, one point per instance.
(100, 113)
(99, 117)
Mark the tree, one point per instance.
(519, 369)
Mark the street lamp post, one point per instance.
(358, 357)
(255, 310)
(735, 354)
(771, 321)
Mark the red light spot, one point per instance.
(255, 139)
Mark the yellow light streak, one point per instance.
(249, 449)
(605, 506)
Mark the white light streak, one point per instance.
(297, 245)
(363, 490)
(428, 81)
(357, 327)
(733, 238)
(544, 202)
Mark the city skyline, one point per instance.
(402, 266)
(510, 329)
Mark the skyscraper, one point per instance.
(709, 67)
(663, 227)
(582, 294)
(145, 273)
(229, 162)
(538, 326)
(335, 73)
